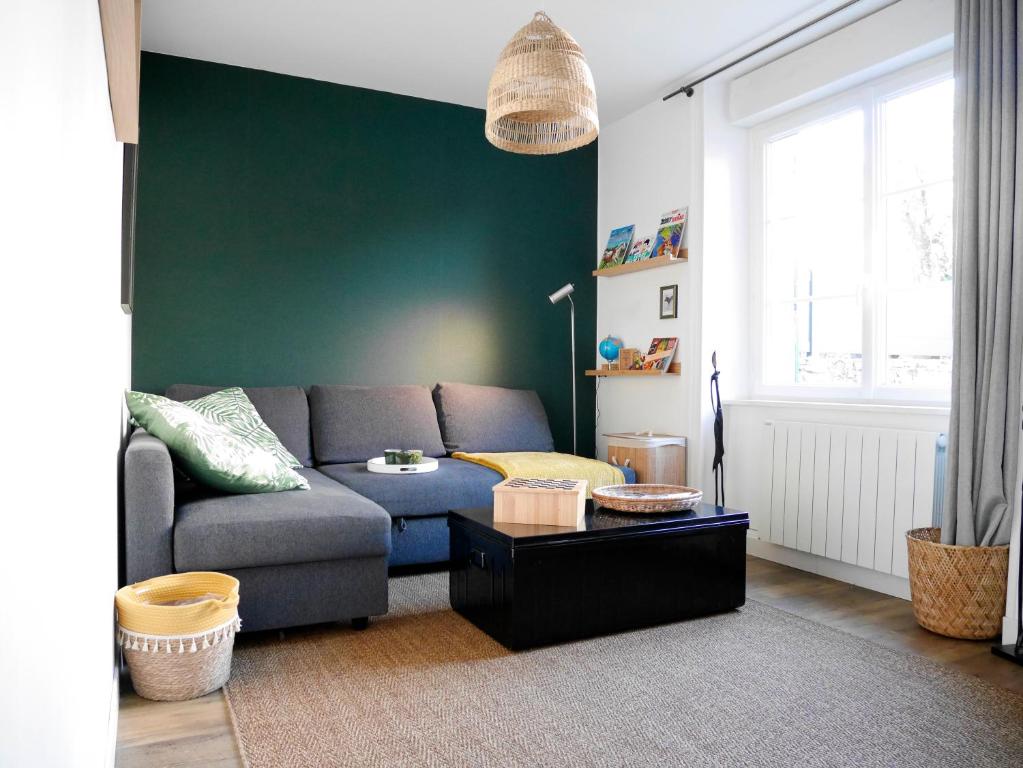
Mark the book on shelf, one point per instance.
(617, 247)
(662, 350)
(641, 249)
(668, 241)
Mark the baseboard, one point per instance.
(1009, 630)
(896, 586)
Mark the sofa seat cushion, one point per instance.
(360, 423)
(454, 485)
(284, 409)
(327, 522)
(478, 419)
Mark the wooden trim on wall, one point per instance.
(121, 21)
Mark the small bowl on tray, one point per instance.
(648, 498)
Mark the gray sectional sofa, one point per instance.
(320, 555)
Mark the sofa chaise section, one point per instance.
(419, 504)
(302, 557)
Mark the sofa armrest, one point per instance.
(148, 508)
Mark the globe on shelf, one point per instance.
(610, 348)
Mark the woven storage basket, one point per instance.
(177, 633)
(957, 591)
(648, 498)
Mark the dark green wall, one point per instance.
(291, 231)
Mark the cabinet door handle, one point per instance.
(478, 558)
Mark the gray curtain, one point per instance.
(988, 335)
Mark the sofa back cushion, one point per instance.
(284, 409)
(360, 423)
(478, 419)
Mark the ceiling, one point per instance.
(445, 49)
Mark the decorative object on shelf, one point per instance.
(654, 457)
(629, 358)
(381, 466)
(719, 432)
(563, 292)
(641, 249)
(402, 456)
(669, 302)
(648, 498)
(535, 501)
(541, 99)
(662, 350)
(669, 234)
(617, 249)
(177, 633)
(957, 591)
(610, 349)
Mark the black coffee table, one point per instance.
(532, 585)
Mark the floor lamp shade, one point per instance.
(541, 99)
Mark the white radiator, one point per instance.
(850, 493)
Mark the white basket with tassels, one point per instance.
(177, 633)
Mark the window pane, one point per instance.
(816, 342)
(813, 254)
(811, 170)
(918, 236)
(916, 130)
(916, 216)
(919, 336)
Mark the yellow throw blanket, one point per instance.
(548, 466)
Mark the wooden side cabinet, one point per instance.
(662, 464)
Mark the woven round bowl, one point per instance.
(647, 498)
(957, 591)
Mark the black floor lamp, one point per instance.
(1014, 651)
(564, 292)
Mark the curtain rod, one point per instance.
(688, 88)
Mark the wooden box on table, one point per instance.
(540, 502)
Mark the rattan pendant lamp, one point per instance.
(541, 99)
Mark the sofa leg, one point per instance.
(360, 623)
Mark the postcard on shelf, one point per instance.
(617, 247)
(669, 234)
(641, 249)
(662, 350)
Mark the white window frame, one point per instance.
(866, 97)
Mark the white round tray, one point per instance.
(380, 465)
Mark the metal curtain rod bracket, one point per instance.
(687, 89)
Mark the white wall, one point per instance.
(901, 34)
(724, 180)
(645, 169)
(65, 343)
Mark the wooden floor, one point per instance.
(198, 733)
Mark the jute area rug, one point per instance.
(754, 687)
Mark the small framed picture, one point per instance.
(669, 302)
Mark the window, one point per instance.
(853, 243)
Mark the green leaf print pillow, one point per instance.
(232, 408)
(209, 452)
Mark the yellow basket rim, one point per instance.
(137, 615)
